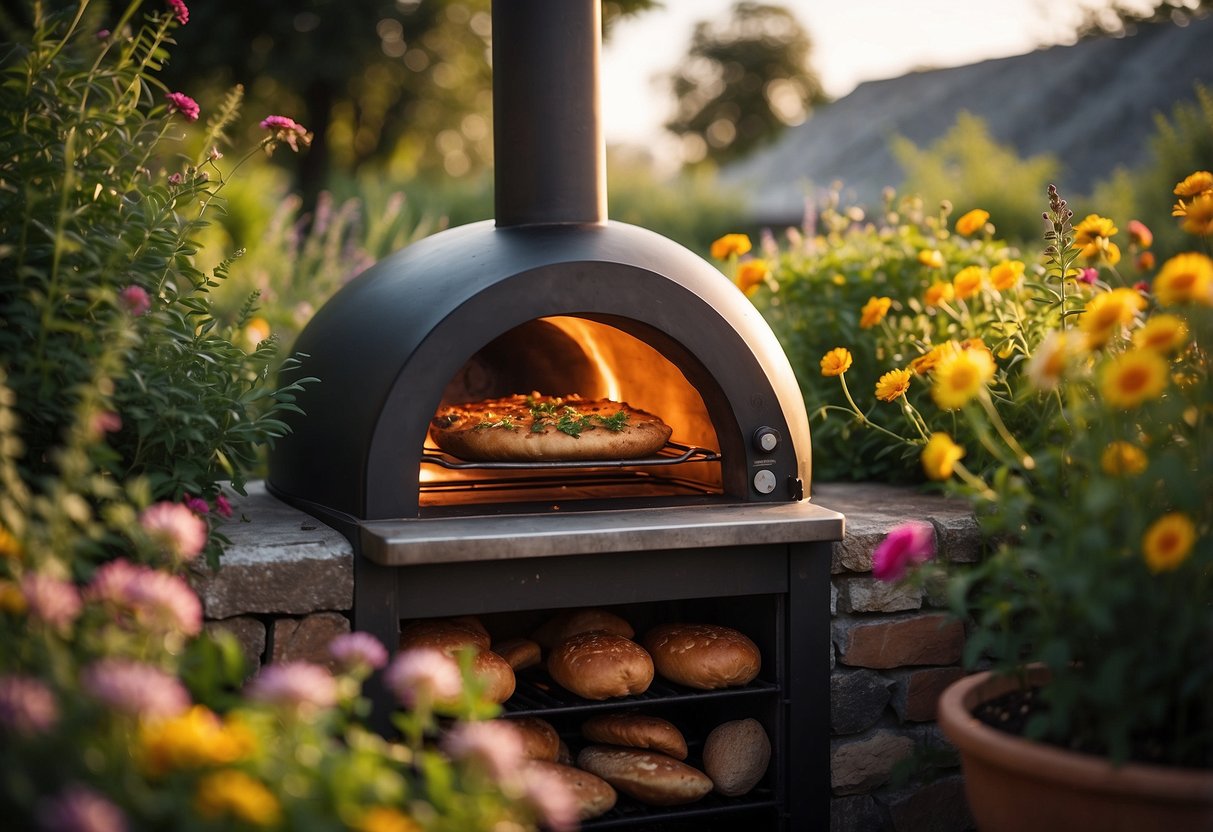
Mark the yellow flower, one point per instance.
(235, 794)
(931, 258)
(1050, 360)
(256, 331)
(940, 456)
(1198, 217)
(1164, 333)
(938, 292)
(925, 363)
(1122, 459)
(874, 311)
(750, 275)
(386, 819)
(196, 739)
(836, 362)
(1108, 312)
(731, 244)
(1168, 541)
(1185, 278)
(972, 222)
(12, 599)
(893, 385)
(960, 375)
(1093, 236)
(968, 281)
(1195, 184)
(1006, 274)
(10, 547)
(1134, 377)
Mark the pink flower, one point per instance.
(423, 674)
(149, 598)
(295, 685)
(909, 543)
(179, 102)
(135, 300)
(494, 745)
(551, 797)
(180, 532)
(286, 130)
(222, 507)
(180, 11)
(27, 706)
(176, 179)
(197, 504)
(358, 651)
(102, 34)
(1089, 275)
(134, 688)
(51, 600)
(103, 422)
(80, 809)
(1140, 234)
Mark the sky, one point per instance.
(853, 41)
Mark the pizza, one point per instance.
(534, 427)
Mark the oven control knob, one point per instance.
(766, 439)
(764, 482)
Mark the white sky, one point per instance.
(853, 41)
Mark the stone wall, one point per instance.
(286, 587)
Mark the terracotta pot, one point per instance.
(1014, 784)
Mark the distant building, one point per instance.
(1092, 105)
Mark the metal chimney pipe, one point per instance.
(549, 154)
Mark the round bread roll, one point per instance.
(521, 653)
(650, 777)
(600, 666)
(497, 675)
(736, 755)
(636, 731)
(563, 755)
(591, 794)
(445, 634)
(703, 656)
(539, 739)
(573, 622)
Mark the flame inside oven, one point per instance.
(561, 355)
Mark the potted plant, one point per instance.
(1072, 402)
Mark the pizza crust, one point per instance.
(532, 428)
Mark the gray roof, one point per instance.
(1092, 105)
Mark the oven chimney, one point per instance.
(549, 154)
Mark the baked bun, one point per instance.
(591, 794)
(703, 656)
(650, 777)
(600, 665)
(574, 622)
(539, 739)
(445, 634)
(735, 756)
(497, 675)
(521, 653)
(636, 731)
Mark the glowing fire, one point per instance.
(585, 334)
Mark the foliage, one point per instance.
(742, 82)
(1099, 505)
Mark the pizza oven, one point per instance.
(552, 297)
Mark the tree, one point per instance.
(1099, 18)
(742, 82)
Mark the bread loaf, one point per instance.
(445, 634)
(650, 777)
(592, 795)
(600, 666)
(736, 755)
(573, 622)
(496, 674)
(521, 653)
(703, 656)
(636, 731)
(539, 739)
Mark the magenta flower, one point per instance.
(176, 178)
(197, 505)
(146, 597)
(295, 686)
(102, 34)
(909, 543)
(494, 745)
(27, 706)
(222, 507)
(358, 652)
(423, 675)
(80, 809)
(135, 300)
(133, 688)
(51, 600)
(176, 529)
(1089, 275)
(180, 11)
(179, 102)
(286, 130)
